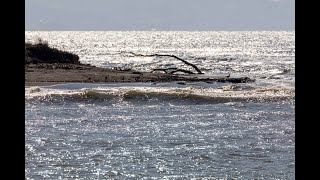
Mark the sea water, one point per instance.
(167, 130)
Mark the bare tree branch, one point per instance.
(168, 55)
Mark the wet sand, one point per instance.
(43, 74)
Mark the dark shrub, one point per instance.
(42, 53)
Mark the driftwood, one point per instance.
(173, 56)
(173, 70)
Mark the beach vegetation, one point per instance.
(41, 52)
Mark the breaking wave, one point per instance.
(216, 93)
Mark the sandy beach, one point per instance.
(48, 74)
(47, 66)
(45, 74)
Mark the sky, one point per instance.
(163, 15)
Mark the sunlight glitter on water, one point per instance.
(170, 130)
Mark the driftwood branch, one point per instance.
(173, 70)
(168, 55)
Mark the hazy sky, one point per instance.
(160, 15)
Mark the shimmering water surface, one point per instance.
(167, 131)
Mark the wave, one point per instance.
(216, 93)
